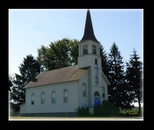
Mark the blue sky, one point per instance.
(31, 28)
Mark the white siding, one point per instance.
(99, 88)
(105, 84)
(88, 60)
(23, 108)
(59, 106)
(83, 101)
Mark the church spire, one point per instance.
(88, 32)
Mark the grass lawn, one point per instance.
(16, 116)
(132, 112)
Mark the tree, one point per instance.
(117, 90)
(10, 84)
(134, 78)
(61, 53)
(73, 47)
(28, 70)
(105, 65)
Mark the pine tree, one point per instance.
(28, 70)
(105, 65)
(134, 78)
(117, 94)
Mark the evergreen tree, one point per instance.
(117, 89)
(28, 70)
(134, 78)
(105, 65)
(10, 84)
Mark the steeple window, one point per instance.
(94, 49)
(85, 49)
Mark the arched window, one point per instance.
(53, 99)
(84, 90)
(32, 99)
(65, 96)
(42, 98)
(96, 94)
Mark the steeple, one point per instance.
(89, 47)
(88, 32)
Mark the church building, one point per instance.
(64, 90)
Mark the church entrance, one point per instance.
(96, 99)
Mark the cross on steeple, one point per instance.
(97, 68)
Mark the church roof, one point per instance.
(88, 32)
(66, 74)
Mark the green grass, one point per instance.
(128, 112)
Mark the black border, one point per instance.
(115, 4)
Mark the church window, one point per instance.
(94, 49)
(95, 61)
(96, 94)
(42, 98)
(84, 90)
(65, 96)
(85, 49)
(53, 100)
(32, 99)
(103, 95)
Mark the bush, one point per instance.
(106, 109)
(14, 107)
(82, 111)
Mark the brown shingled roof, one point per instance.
(65, 74)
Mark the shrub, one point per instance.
(106, 109)
(82, 111)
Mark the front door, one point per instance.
(96, 99)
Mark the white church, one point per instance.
(64, 90)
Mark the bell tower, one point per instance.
(89, 47)
(89, 56)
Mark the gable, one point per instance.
(105, 78)
(65, 74)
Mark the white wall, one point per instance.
(90, 61)
(100, 89)
(23, 108)
(105, 84)
(84, 101)
(59, 106)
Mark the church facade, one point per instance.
(64, 90)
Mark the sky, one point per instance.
(31, 28)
